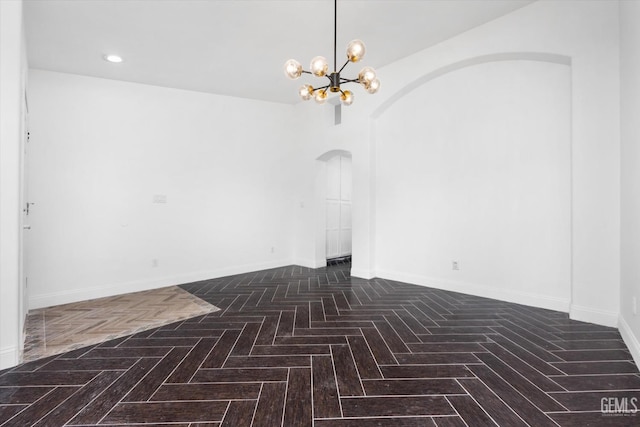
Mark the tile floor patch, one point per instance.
(61, 328)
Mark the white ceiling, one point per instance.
(237, 48)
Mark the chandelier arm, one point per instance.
(345, 64)
(319, 88)
(306, 72)
(349, 80)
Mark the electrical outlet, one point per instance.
(454, 265)
(634, 305)
(154, 262)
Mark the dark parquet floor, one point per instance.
(299, 347)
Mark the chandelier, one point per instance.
(319, 68)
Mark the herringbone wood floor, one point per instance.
(299, 347)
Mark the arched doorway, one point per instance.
(333, 190)
(338, 209)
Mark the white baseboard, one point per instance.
(310, 263)
(75, 295)
(594, 315)
(362, 273)
(9, 356)
(629, 339)
(524, 298)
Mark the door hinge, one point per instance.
(27, 208)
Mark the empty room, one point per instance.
(321, 213)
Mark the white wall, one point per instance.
(583, 33)
(630, 172)
(475, 167)
(101, 150)
(12, 84)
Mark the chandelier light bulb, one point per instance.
(366, 76)
(292, 69)
(355, 50)
(346, 97)
(319, 66)
(306, 92)
(373, 86)
(321, 96)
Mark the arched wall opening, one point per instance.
(327, 201)
(473, 179)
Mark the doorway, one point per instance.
(26, 204)
(338, 209)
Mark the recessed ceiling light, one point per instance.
(112, 58)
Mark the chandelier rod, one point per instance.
(335, 34)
